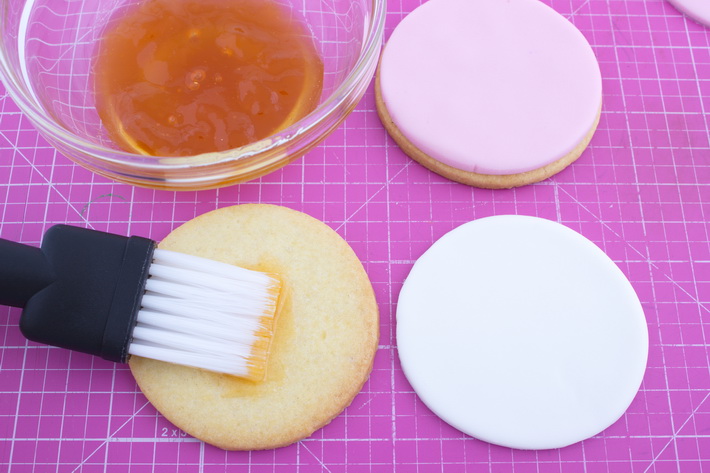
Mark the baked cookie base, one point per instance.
(325, 340)
(486, 181)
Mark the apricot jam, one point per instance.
(184, 77)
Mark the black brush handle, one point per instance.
(82, 290)
(24, 271)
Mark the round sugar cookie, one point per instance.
(698, 10)
(489, 93)
(521, 332)
(325, 338)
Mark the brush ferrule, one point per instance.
(130, 287)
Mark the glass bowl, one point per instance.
(45, 64)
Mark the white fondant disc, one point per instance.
(521, 332)
(699, 10)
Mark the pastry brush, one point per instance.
(116, 296)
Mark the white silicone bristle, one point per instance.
(206, 314)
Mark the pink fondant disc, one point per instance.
(699, 10)
(491, 86)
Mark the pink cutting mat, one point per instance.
(641, 192)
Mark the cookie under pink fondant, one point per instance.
(491, 86)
